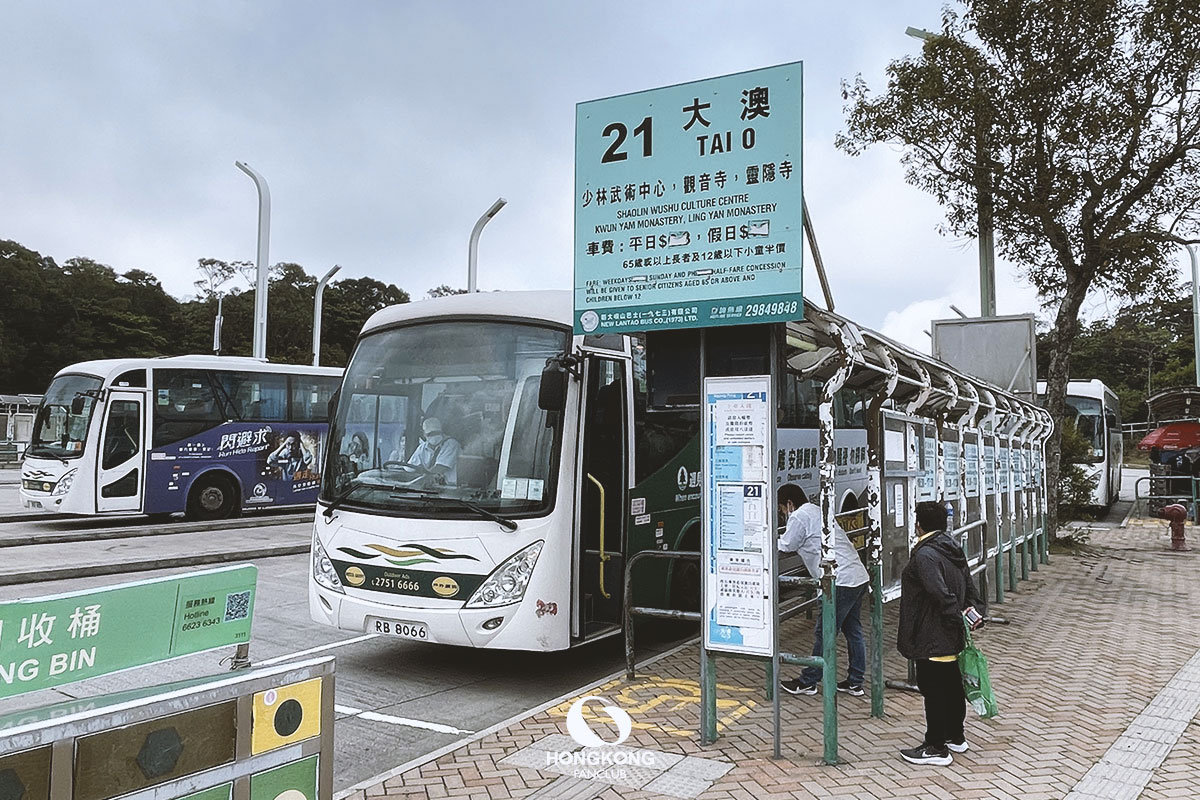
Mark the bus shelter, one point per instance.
(17, 412)
(933, 433)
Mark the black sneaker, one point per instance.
(928, 755)
(960, 746)
(852, 689)
(797, 686)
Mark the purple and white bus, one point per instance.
(208, 436)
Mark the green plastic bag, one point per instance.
(976, 684)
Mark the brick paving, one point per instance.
(1093, 638)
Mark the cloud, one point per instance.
(385, 129)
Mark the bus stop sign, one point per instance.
(688, 205)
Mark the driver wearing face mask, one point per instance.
(437, 453)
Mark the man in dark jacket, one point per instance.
(935, 589)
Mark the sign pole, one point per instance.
(828, 585)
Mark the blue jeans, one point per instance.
(849, 607)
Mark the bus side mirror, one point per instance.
(552, 393)
(331, 408)
(77, 405)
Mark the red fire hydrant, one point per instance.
(1176, 514)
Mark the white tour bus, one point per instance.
(455, 508)
(205, 435)
(1096, 413)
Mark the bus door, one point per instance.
(120, 473)
(601, 500)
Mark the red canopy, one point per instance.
(1173, 436)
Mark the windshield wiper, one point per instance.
(504, 522)
(344, 496)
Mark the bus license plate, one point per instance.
(405, 630)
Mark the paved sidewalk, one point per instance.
(1094, 638)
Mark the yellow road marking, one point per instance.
(655, 694)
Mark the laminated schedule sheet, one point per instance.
(738, 512)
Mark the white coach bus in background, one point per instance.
(207, 436)
(1096, 413)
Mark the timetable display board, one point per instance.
(738, 508)
(689, 205)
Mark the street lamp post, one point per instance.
(473, 246)
(317, 315)
(217, 324)
(264, 237)
(983, 205)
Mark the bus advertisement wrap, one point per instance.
(273, 463)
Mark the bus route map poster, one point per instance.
(688, 205)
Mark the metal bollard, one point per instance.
(1176, 514)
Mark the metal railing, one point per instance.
(631, 611)
(1192, 498)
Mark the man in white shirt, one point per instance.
(803, 536)
(437, 453)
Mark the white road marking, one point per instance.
(311, 650)
(373, 716)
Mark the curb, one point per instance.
(246, 521)
(420, 761)
(89, 571)
(135, 532)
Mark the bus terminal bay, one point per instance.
(522, 622)
(580, 543)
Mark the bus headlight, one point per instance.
(64, 483)
(506, 584)
(323, 572)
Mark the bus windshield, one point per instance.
(434, 414)
(57, 433)
(1086, 413)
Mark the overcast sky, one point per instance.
(386, 128)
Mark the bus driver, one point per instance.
(437, 453)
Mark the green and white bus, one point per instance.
(489, 473)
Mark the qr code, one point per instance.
(237, 606)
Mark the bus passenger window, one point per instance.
(310, 397)
(184, 405)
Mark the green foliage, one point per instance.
(1080, 118)
(1071, 127)
(52, 316)
(445, 290)
(1144, 348)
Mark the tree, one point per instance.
(1074, 126)
(445, 290)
